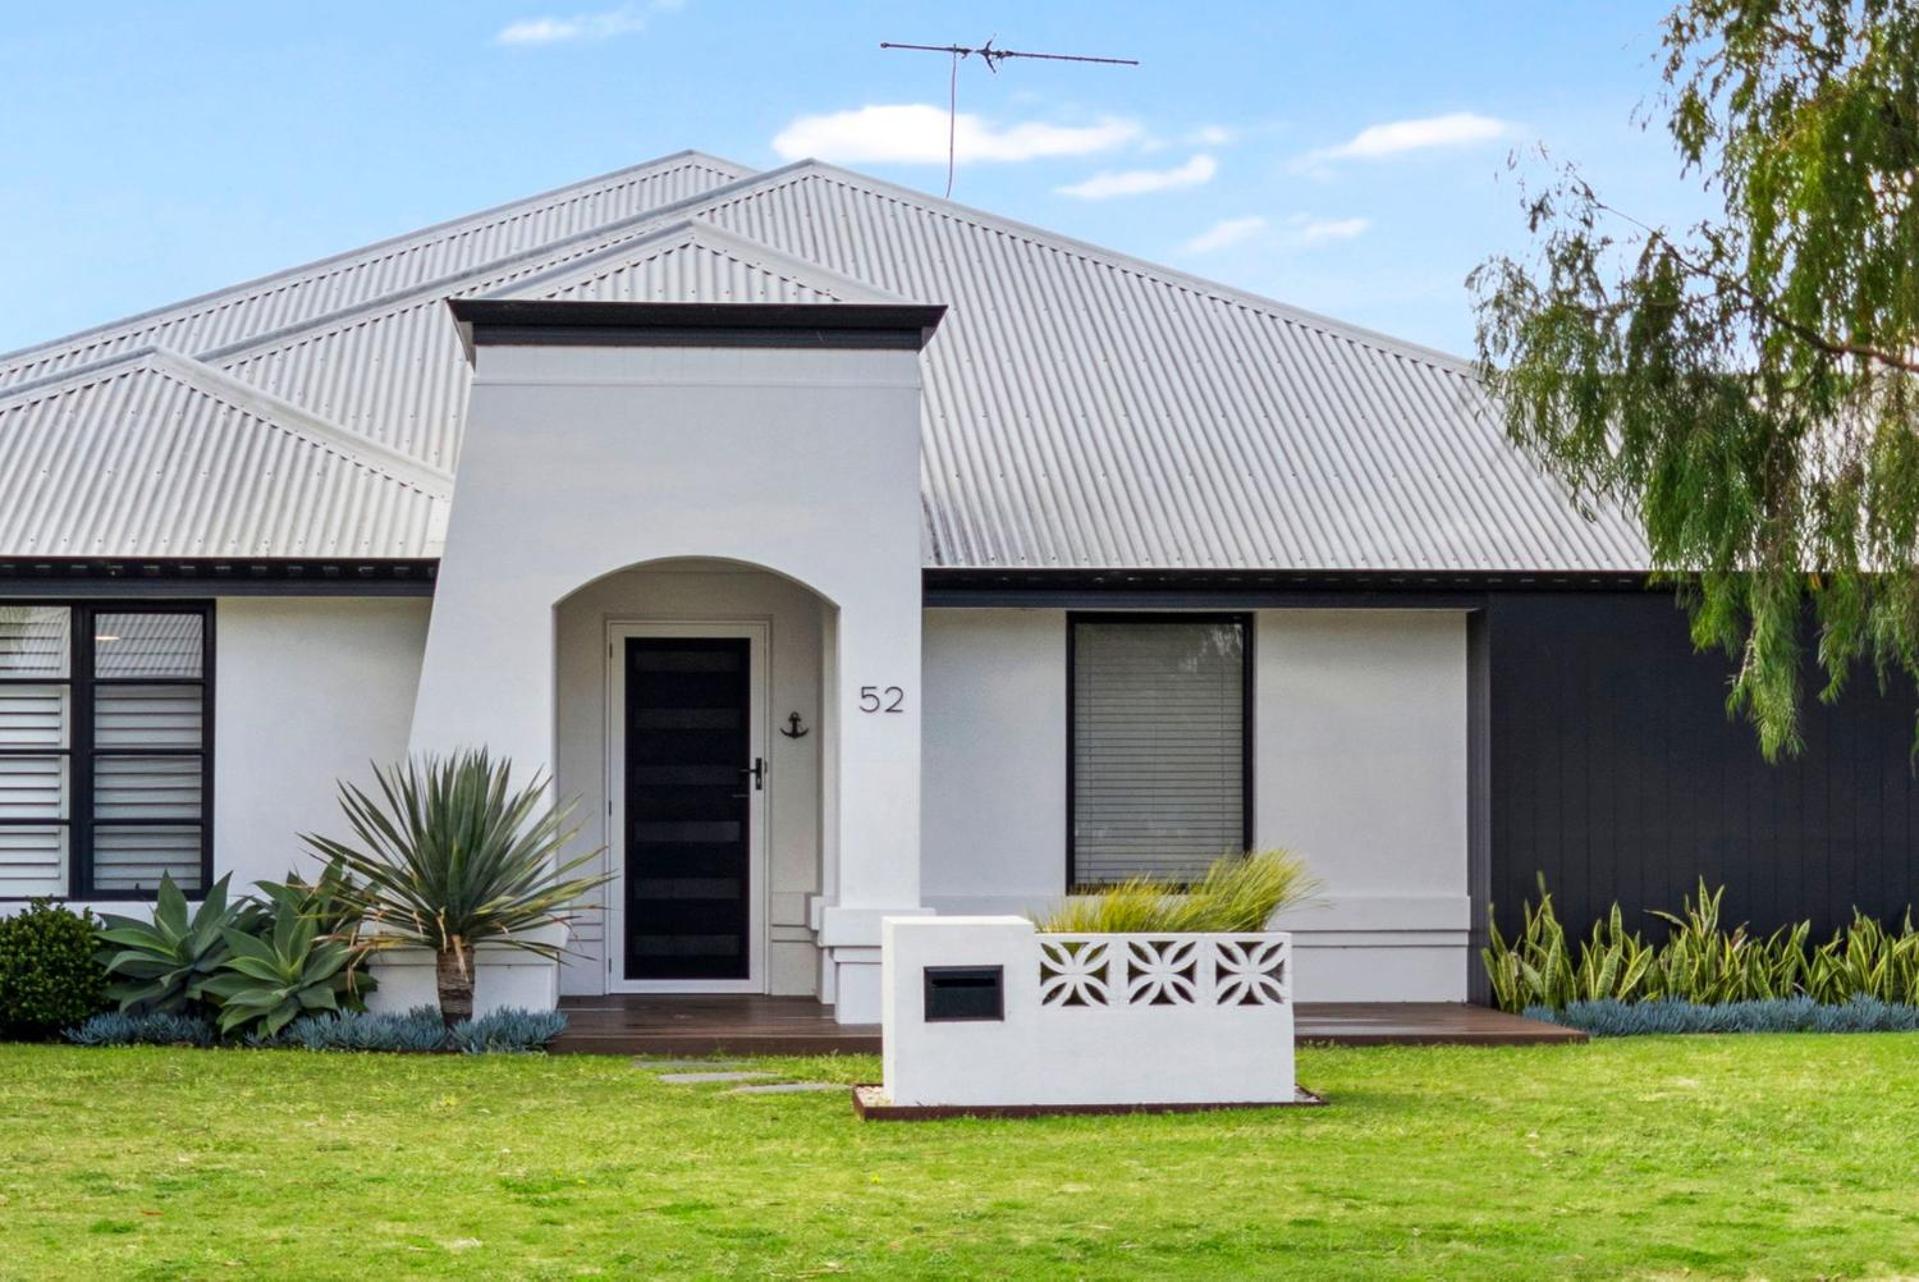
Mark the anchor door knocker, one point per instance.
(793, 729)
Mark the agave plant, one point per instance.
(165, 964)
(449, 856)
(292, 971)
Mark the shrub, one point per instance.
(50, 978)
(509, 1031)
(418, 1031)
(1612, 1018)
(1701, 962)
(1237, 894)
(143, 1028)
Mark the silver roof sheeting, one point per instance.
(1083, 410)
(153, 455)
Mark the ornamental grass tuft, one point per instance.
(1237, 894)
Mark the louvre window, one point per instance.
(105, 774)
(1160, 753)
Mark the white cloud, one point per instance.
(1375, 142)
(1225, 233)
(1316, 231)
(1210, 136)
(605, 25)
(915, 133)
(1140, 182)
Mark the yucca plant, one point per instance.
(1237, 893)
(292, 971)
(450, 855)
(166, 963)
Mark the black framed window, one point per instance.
(106, 761)
(1160, 754)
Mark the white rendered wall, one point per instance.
(309, 691)
(1359, 758)
(1360, 742)
(993, 809)
(707, 591)
(580, 461)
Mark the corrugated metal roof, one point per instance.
(302, 295)
(155, 455)
(1083, 409)
(692, 262)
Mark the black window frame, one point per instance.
(81, 756)
(1245, 621)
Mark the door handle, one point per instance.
(758, 771)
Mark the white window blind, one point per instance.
(35, 728)
(1159, 746)
(103, 766)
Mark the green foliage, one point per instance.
(1700, 962)
(268, 981)
(1748, 388)
(165, 964)
(508, 1031)
(49, 976)
(1238, 893)
(1612, 1018)
(1868, 960)
(450, 855)
(419, 1031)
(143, 1028)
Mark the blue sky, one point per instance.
(1347, 158)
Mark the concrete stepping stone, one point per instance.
(787, 1088)
(685, 1065)
(697, 1079)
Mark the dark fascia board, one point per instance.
(79, 578)
(541, 322)
(1247, 589)
(22, 577)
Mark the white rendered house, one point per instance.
(842, 551)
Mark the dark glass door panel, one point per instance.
(688, 799)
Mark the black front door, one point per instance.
(689, 782)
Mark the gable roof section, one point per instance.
(304, 294)
(153, 455)
(1083, 409)
(692, 262)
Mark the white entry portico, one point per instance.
(605, 436)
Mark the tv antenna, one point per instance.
(992, 57)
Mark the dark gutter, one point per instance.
(1247, 589)
(540, 322)
(110, 577)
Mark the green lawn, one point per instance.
(1783, 1157)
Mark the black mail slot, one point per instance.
(965, 992)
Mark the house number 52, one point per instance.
(881, 698)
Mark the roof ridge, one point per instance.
(1328, 325)
(719, 239)
(438, 286)
(349, 444)
(683, 157)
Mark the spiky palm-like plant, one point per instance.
(450, 855)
